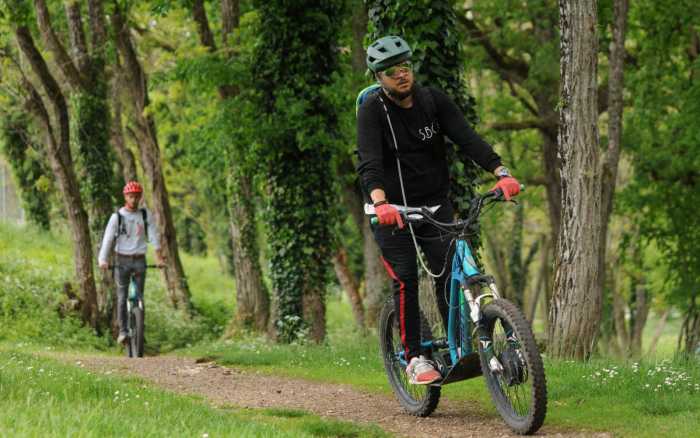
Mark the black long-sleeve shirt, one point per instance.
(422, 149)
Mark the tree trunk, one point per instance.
(136, 82)
(689, 338)
(359, 29)
(494, 247)
(127, 162)
(658, 332)
(376, 286)
(577, 287)
(609, 164)
(542, 282)
(641, 311)
(349, 285)
(61, 161)
(252, 299)
(620, 321)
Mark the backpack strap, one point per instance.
(145, 222)
(118, 232)
(364, 94)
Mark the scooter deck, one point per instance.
(468, 366)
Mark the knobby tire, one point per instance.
(521, 401)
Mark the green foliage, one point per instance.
(661, 133)
(293, 64)
(29, 171)
(13, 12)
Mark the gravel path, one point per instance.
(224, 386)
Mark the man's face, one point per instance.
(398, 79)
(132, 200)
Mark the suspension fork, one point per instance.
(475, 311)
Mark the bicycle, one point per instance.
(506, 353)
(135, 317)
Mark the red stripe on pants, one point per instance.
(402, 301)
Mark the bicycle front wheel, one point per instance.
(518, 388)
(419, 400)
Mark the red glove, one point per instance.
(509, 186)
(388, 215)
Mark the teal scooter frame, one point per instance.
(506, 353)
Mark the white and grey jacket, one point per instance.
(131, 238)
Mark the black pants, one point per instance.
(400, 260)
(125, 267)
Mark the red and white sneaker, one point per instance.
(421, 371)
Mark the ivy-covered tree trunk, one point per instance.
(252, 299)
(145, 132)
(27, 168)
(576, 305)
(58, 146)
(377, 284)
(294, 62)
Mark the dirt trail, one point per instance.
(227, 386)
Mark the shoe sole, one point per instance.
(427, 382)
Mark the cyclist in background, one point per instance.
(127, 231)
(406, 122)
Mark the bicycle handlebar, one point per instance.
(474, 210)
(147, 266)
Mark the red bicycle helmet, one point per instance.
(132, 187)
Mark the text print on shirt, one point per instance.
(429, 131)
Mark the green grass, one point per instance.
(42, 397)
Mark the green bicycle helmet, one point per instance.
(387, 51)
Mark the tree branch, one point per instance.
(26, 44)
(77, 36)
(507, 67)
(230, 19)
(64, 62)
(141, 31)
(519, 125)
(132, 68)
(603, 91)
(521, 98)
(200, 17)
